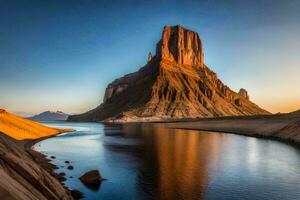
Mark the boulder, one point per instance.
(91, 178)
(70, 167)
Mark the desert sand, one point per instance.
(21, 129)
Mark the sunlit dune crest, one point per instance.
(20, 128)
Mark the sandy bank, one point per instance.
(284, 127)
(21, 129)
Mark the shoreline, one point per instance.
(279, 127)
(284, 128)
(42, 160)
(254, 135)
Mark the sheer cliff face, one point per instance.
(179, 45)
(175, 83)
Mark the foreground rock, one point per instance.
(22, 178)
(92, 178)
(175, 83)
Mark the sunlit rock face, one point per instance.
(175, 83)
(181, 46)
(150, 56)
(244, 93)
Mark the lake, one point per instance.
(150, 161)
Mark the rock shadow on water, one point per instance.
(93, 188)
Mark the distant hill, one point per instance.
(20, 128)
(49, 116)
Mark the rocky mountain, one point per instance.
(50, 116)
(175, 83)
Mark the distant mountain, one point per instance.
(175, 83)
(20, 128)
(50, 116)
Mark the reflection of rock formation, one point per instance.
(176, 163)
(175, 83)
(183, 163)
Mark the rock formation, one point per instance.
(243, 93)
(175, 83)
(150, 57)
(91, 178)
(181, 46)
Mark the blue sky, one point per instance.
(60, 55)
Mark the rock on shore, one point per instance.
(91, 178)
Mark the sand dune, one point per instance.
(20, 128)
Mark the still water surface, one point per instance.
(150, 161)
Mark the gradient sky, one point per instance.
(60, 55)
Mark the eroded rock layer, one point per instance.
(175, 83)
(22, 178)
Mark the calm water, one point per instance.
(147, 161)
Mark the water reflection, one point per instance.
(150, 161)
(175, 162)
